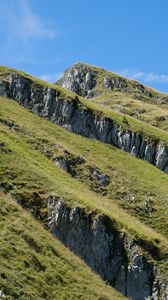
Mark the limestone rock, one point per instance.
(139, 276)
(79, 79)
(116, 83)
(103, 179)
(114, 256)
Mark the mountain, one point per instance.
(117, 93)
(66, 160)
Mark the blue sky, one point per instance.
(43, 37)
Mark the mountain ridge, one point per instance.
(82, 117)
(110, 73)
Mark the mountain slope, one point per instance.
(126, 187)
(117, 93)
(130, 255)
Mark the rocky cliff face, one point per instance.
(117, 258)
(49, 103)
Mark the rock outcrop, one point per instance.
(117, 258)
(68, 162)
(80, 80)
(72, 115)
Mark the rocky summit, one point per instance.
(85, 80)
(83, 187)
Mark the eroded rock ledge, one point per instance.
(117, 258)
(70, 114)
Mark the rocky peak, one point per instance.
(89, 81)
(79, 78)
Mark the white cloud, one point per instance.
(146, 77)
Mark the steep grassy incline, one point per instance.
(30, 170)
(25, 169)
(117, 93)
(34, 265)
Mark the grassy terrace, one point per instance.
(149, 132)
(24, 170)
(34, 265)
(152, 114)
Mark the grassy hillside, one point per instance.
(135, 197)
(34, 265)
(45, 142)
(30, 176)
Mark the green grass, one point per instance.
(25, 170)
(34, 265)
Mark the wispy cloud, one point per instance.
(23, 32)
(144, 76)
(32, 25)
(22, 22)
